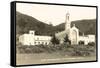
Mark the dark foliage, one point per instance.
(81, 42)
(91, 43)
(54, 40)
(66, 40)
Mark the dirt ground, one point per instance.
(43, 58)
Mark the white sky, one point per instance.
(55, 13)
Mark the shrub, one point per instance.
(91, 43)
(62, 49)
(66, 40)
(81, 42)
(54, 40)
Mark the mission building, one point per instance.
(72, 32)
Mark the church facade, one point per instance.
(72, 32)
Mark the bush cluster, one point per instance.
(63, 49)
(40, 48)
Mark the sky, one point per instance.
(56, 14)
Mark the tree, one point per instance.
(54, 40)
(66, 39)
(81, 42)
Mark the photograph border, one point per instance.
(13, 32)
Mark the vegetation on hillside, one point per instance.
(62, 49)
(24, 23)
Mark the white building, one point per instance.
(87, 38)
(32, 39)
(73, 35)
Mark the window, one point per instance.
(68, 17)
(46, 43)
(42, 42)
(35, 42)
(38, 42)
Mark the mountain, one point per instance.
(24, 23)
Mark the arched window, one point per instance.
(35, 42)
(38, 42)
(68, 17)
(45, 43)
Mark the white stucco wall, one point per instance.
(27, 39)
(87, 38)
(84, 38)
(42, 40)
(32, 39)
(72, 35)
(91, 38)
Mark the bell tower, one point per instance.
(67, 22)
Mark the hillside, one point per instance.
(84, 26)
(24, 23)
